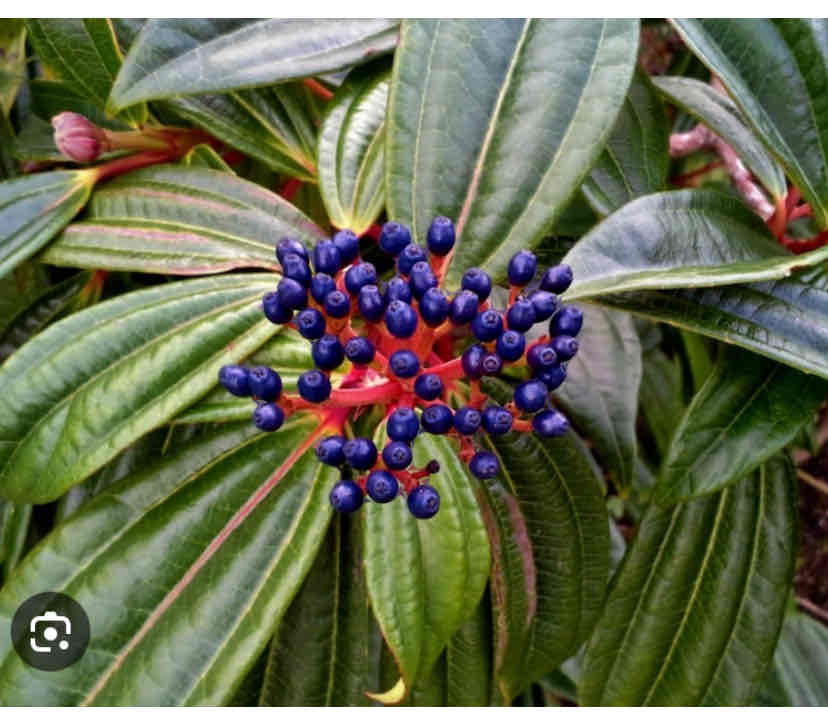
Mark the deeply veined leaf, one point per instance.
(217, 536)
(749, 409)
(635, 160)
(531, 104)
(50, 98)
(188, 57)
(721, 115)
(425, 577)
(88, 386)
(34, 208)
(469, 660)
(173, 219)
(352, 149)
(792, 64)
(696, 607)
(661, 395)
(14, 526)
(547, 526)
(601, 391)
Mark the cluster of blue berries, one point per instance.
(401, 338)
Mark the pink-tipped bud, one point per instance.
(78, 138)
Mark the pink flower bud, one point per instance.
(78, 138)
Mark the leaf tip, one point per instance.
(392, 696)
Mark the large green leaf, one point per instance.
(635, 160)
(50, 98)
(696, 607)
(748, 410)
(550, 553)
(84, 53)
(425, 578)
(601, 391)
(352, 149)
(661, 395)
(19, 289)
(721, 115)
(469, 660)
(12, 62)
(187, 57)
(34, 208)
(185, 569)
(533, 102)
(792, 64)
(181, 220)
(88, 386)
(14, 526)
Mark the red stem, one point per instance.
(318, 89)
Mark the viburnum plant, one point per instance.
(434, 362)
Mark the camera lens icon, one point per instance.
(50, 631)
(45, 630)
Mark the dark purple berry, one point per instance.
(371, 303)
(428, 387)
(565, 347)
(463, 307)
(291, 294)
(433, 467)
(557, 279)
(348, 245)
(326, 257)
(522, 268)
(273, 309)
(484, 465)
(401, 319)
(314, 386)
(531, 396)
(496, 420)
(541, 357)
(403, 424)
(492, 364)
(424, 501)
(568, 320)
(264, 383)
(359, 276)
(477, 281)
(553, 377)
(394, 238)
(398, 290)
(360, 453)
(488, 325)
(472, 361)
(434, 307)
(437, 419)
(235, 380)
(288, 245)
(421, 279)
(441, 236)
(550, 423)
(521, 315)
(397, 455)
(404, 363)
(467, 420)
(310, 323)
(321, 286)
(346, 496)
(359, 350)
(329, 450)
(412, 254)
(337, 304)
(268, 416)
(510, 345)
(327, 353)
(297, 268)
(381, 486)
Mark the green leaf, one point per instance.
(36, 142)
(792, 64)
(601, 391)
(548, 530)
(181, 220)
(533, 103)
(469, 660)
(84, 53)
(425, 578)
(88, 386)
(205, 156)
(272, 124)
(36, 207)
(50, 98)
(662, 396)
(187, 57)
(687, 238)
(696, 607)
(352, 149)
(721, 115)
(635, 160)
(748, 409)
(326, 651)
(218, 536)
(12, 62)
(14, 526)
(19, 289)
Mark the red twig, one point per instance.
(318, 89)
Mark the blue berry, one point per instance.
(522, 268)
(510, 345)
(291, 294)
(337, 304)
(467, 420)
(492, 364)
(557, 279)
(273, 309)
(544, 303)
(472, 361)
(397, 455)
(346, 496)
(371, 303)
(477, 281)
(326, 257)
(521, 315)
(441, 236)
(463, 307)
(401, 319)
(264, 383)
(428, 386)
(310, 323)
(348, 245)
(541, 357)
(421, 279)
(496, 420)
(297, 268)
(568, 320)
(434, 307)
(404, 363)
(412, 254)
(398, 290)
(268, 416)
(565, 347)
(327, 353)
(394, 238)
(288, 245)
(488, 325)
(314, 386)
(484, 465)
(553, 377)
(531, 396)
(235, 380)
(360, 453)
(321, 286)
(359, 350)
(381, 486)
(437, 419)
(550, 423)
(329, 450)
(359, 276)
(424, 501)
(403, 425)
